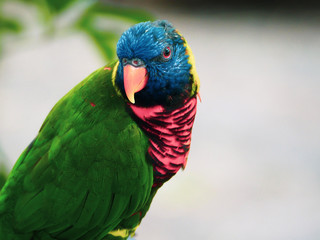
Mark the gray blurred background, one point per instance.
(254, 167)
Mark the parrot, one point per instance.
(108, 145)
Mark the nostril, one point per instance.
(136, 62)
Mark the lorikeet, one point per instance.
(108, 145)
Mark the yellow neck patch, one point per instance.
(196, 81)
(193, 72)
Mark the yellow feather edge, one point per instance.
(113, 78)
(193, 72)
(124, 233)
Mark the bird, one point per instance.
(108, 145)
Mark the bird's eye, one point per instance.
(124, 61)
(166, 53)
(136, 62)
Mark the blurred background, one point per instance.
(254, 166)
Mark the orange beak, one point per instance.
(135, 79)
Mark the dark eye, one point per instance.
(166, 53)
(124, 61)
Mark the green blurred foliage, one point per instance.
(129, 14)
(8, 25)
(57, 6)
(104, 39)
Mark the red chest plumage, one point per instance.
(169, 134)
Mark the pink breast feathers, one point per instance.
(169, 133)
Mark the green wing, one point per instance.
(84, 173)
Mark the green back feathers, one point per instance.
(72, 181)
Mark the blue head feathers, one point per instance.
(161, 50)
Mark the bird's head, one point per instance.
(156, 65)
